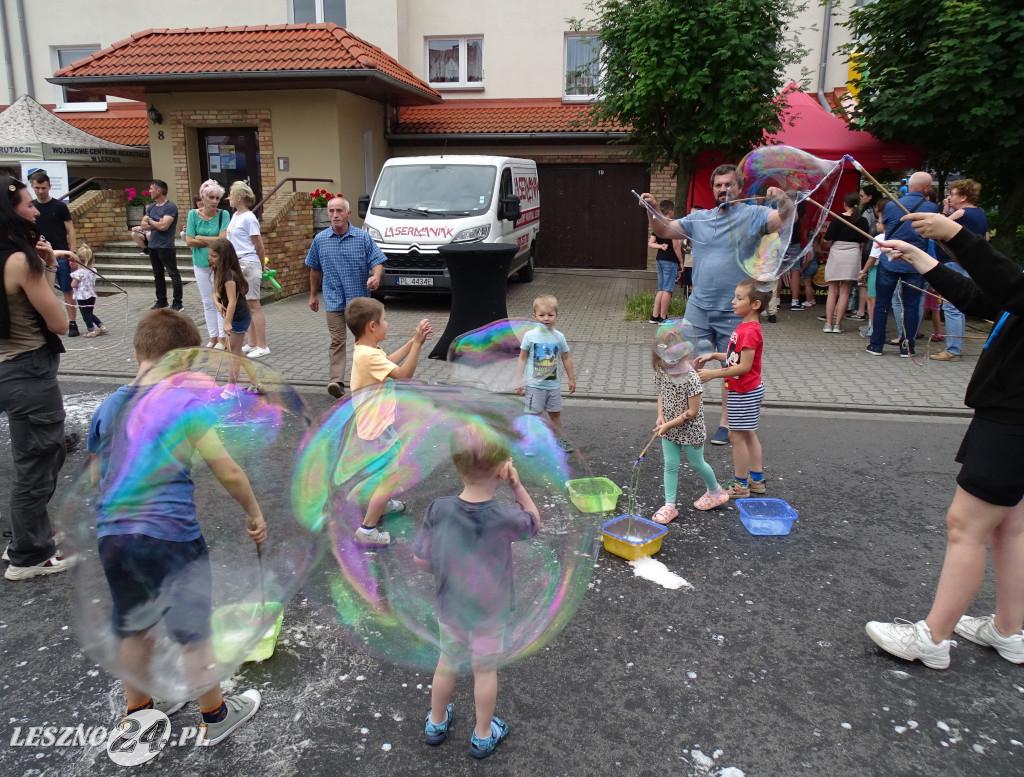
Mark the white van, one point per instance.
(422, 202)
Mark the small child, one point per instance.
(682, 402)
(373, 400)
(745, 389)
(668, 262)
(539, 353)
(465, 541)
(148, 529)
(83, 288)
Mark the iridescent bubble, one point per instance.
(381, 600)
(488, 357)
(676, 344)
(809, 184)
(149, 607)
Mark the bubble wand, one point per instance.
(634, 484)
(263, 587)
(658, 217)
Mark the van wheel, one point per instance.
(525, 274)
(377, 295)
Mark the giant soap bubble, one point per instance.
(488, 357)
(676, 344)
(149, 607)
(382, 601)
(809, 184)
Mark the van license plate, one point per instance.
(416, 281)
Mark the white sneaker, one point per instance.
(246, 348)
(257, 353)
(982, 631)
(826, 328)
(373, 539)
(912, 641)
(53, 565)
(836, 329)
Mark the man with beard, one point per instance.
(721, 238)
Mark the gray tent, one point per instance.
(29, 132)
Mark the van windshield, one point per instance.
(433, 191)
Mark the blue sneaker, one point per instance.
(436, 733)
(874, 351)
(721, 436)
(481, 748)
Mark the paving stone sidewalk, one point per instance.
(802, 366)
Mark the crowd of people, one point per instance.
(915, 246)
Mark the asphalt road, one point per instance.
(761, 667)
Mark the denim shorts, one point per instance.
(64, 274)
(811, 270)
(667, 272)
(241, 327)
(155, 580)
(713, 328)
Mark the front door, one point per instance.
(231, 154)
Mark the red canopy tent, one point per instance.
(808, 126)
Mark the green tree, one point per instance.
(688, 76)
(948, 76)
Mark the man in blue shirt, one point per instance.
(719, 236)
(345, 263)
(890, 272)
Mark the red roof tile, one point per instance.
(121, 123)
(264, 49)
(467, 117)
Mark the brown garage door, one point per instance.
(590, 219)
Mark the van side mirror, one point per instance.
(364, 205)
(509, 208)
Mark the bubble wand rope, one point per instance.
(884, 191)
(263, 587)
(658, 217)
(851, 226)
(634, 485)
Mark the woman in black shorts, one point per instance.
(987, 511)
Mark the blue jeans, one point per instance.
(667, 272)
(955, 323)
(885, 285)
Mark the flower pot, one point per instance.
(320, 218)
(135, 214)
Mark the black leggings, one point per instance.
(87, 306)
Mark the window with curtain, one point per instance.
(318, 11)
(582, 65)
(455, 62)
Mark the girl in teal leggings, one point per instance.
(681, 425)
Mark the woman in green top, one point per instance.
(206, 224)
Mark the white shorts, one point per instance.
(253, 272)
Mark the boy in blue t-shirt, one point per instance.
(151, 546)
(465, 541)
(539, 353)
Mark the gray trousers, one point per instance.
(30, 395)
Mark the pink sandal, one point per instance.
(712, 500)
(103, 330)
(665, 514)
(91, 334)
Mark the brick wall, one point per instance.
(287, 234)
(180, 121)
(100, 217)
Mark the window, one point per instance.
(455, 62)
(582, 66)
(68, 97)
(318, 11)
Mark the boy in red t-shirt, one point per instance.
(742, 375)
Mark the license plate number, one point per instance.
(415, 281)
